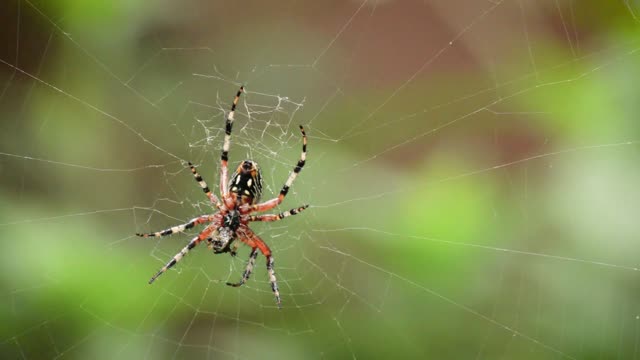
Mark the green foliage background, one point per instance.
(473, 200)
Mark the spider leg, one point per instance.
(248, 270)
(274, 217)
(205, 188)
(272, 279)
(224, 158)
(179, 228)
(233, 250)
(250, 238)
(267, 205)
(195, 241)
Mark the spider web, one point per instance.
(471, 174)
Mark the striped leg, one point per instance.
(205, 188)
(274, 217)
(267, 205)
(180, 228)
(224, 172)
(248, 237)
(248, 270)
(195, 241)
(272, 280)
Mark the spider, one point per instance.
(239, 199)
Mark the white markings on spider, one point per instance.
(232, 220)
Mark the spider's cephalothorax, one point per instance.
(222, 239)
(246, 183)
(231, 220)
(239, 199)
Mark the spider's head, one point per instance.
(226, 232)
(222, 240)
(247, 182)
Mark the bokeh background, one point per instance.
(472, 174)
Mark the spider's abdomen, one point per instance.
(247, 182)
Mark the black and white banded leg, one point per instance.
(277, 217)
(267, 205)
(224, 157)
(204, 186)
(195, 241)
(248, 270)
(179, 228)
(272, 279)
